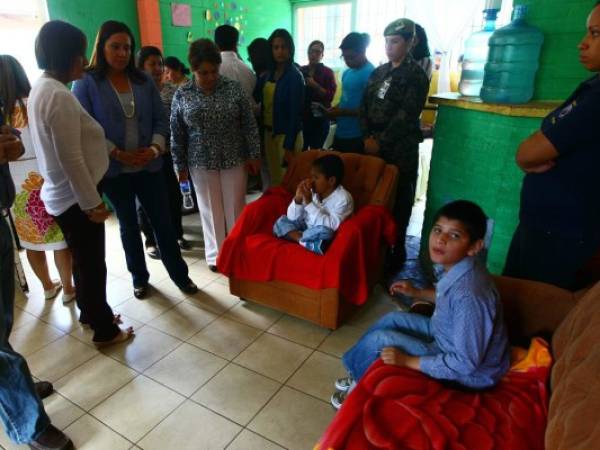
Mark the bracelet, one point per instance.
(95, 210)
(156, 149)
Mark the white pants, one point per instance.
(221, 198)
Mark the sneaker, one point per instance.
(337, 399)
(67, 298)
(53, 291)
(52, 439)
(152, 252)
(344, 384)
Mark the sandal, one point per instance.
(123, 336)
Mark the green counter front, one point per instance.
(473, 158)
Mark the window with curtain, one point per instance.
(328, 23)
(372, 16)
(20, 22)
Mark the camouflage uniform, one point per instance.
(389, 112)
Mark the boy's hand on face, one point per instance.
(404, 287)
(306, 191)
(299, 193)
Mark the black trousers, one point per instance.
(86, 240)
(353, 145)
(405, 198)
(175, 204)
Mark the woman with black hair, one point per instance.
(320, 89)
(71, 149)
(348, 135)
(126, 102)
(281, 94)
(29, 211)
(175, 71)
(149, 59)
(259, 53)
(389, 117)
(420, 50)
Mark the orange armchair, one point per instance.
(287, 277)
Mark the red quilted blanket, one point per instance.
(251, 252)
(399, 408)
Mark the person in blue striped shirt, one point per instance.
(465, 341)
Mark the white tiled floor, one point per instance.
(203, 372)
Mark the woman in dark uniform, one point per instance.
(559, 228)
(389, 117)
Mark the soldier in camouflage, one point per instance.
(389, 118)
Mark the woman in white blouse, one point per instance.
(71, 151)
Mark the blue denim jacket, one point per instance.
(99, 99)
(288, 103)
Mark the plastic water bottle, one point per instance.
(475, 56)
(186, 191)
(513, 60)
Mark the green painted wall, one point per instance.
(474, 159)
(90, 14)
(256, 19)
(563, 25)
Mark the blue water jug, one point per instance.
(513, 60)
(475, 56)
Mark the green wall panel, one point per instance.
(474, 159)
(90, 14)
(256, 19)
(563, 25)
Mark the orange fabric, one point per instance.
(538, 355)
(399, 408)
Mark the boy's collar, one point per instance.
(456, 272)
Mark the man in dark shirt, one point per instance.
(21, 409)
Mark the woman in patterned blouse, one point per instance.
(214, 138)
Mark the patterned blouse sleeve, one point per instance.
(249, 126)
(179, 133)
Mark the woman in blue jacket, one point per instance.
(281, 94)
(127, 104)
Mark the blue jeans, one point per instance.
(406, 331)
(151, 191)
(21, 410)
(311, 235)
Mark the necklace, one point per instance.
(131, 105)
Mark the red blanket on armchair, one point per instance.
(251, 252)
(399, 408)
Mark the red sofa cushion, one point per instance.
(399, 408)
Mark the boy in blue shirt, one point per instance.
(465, 341)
